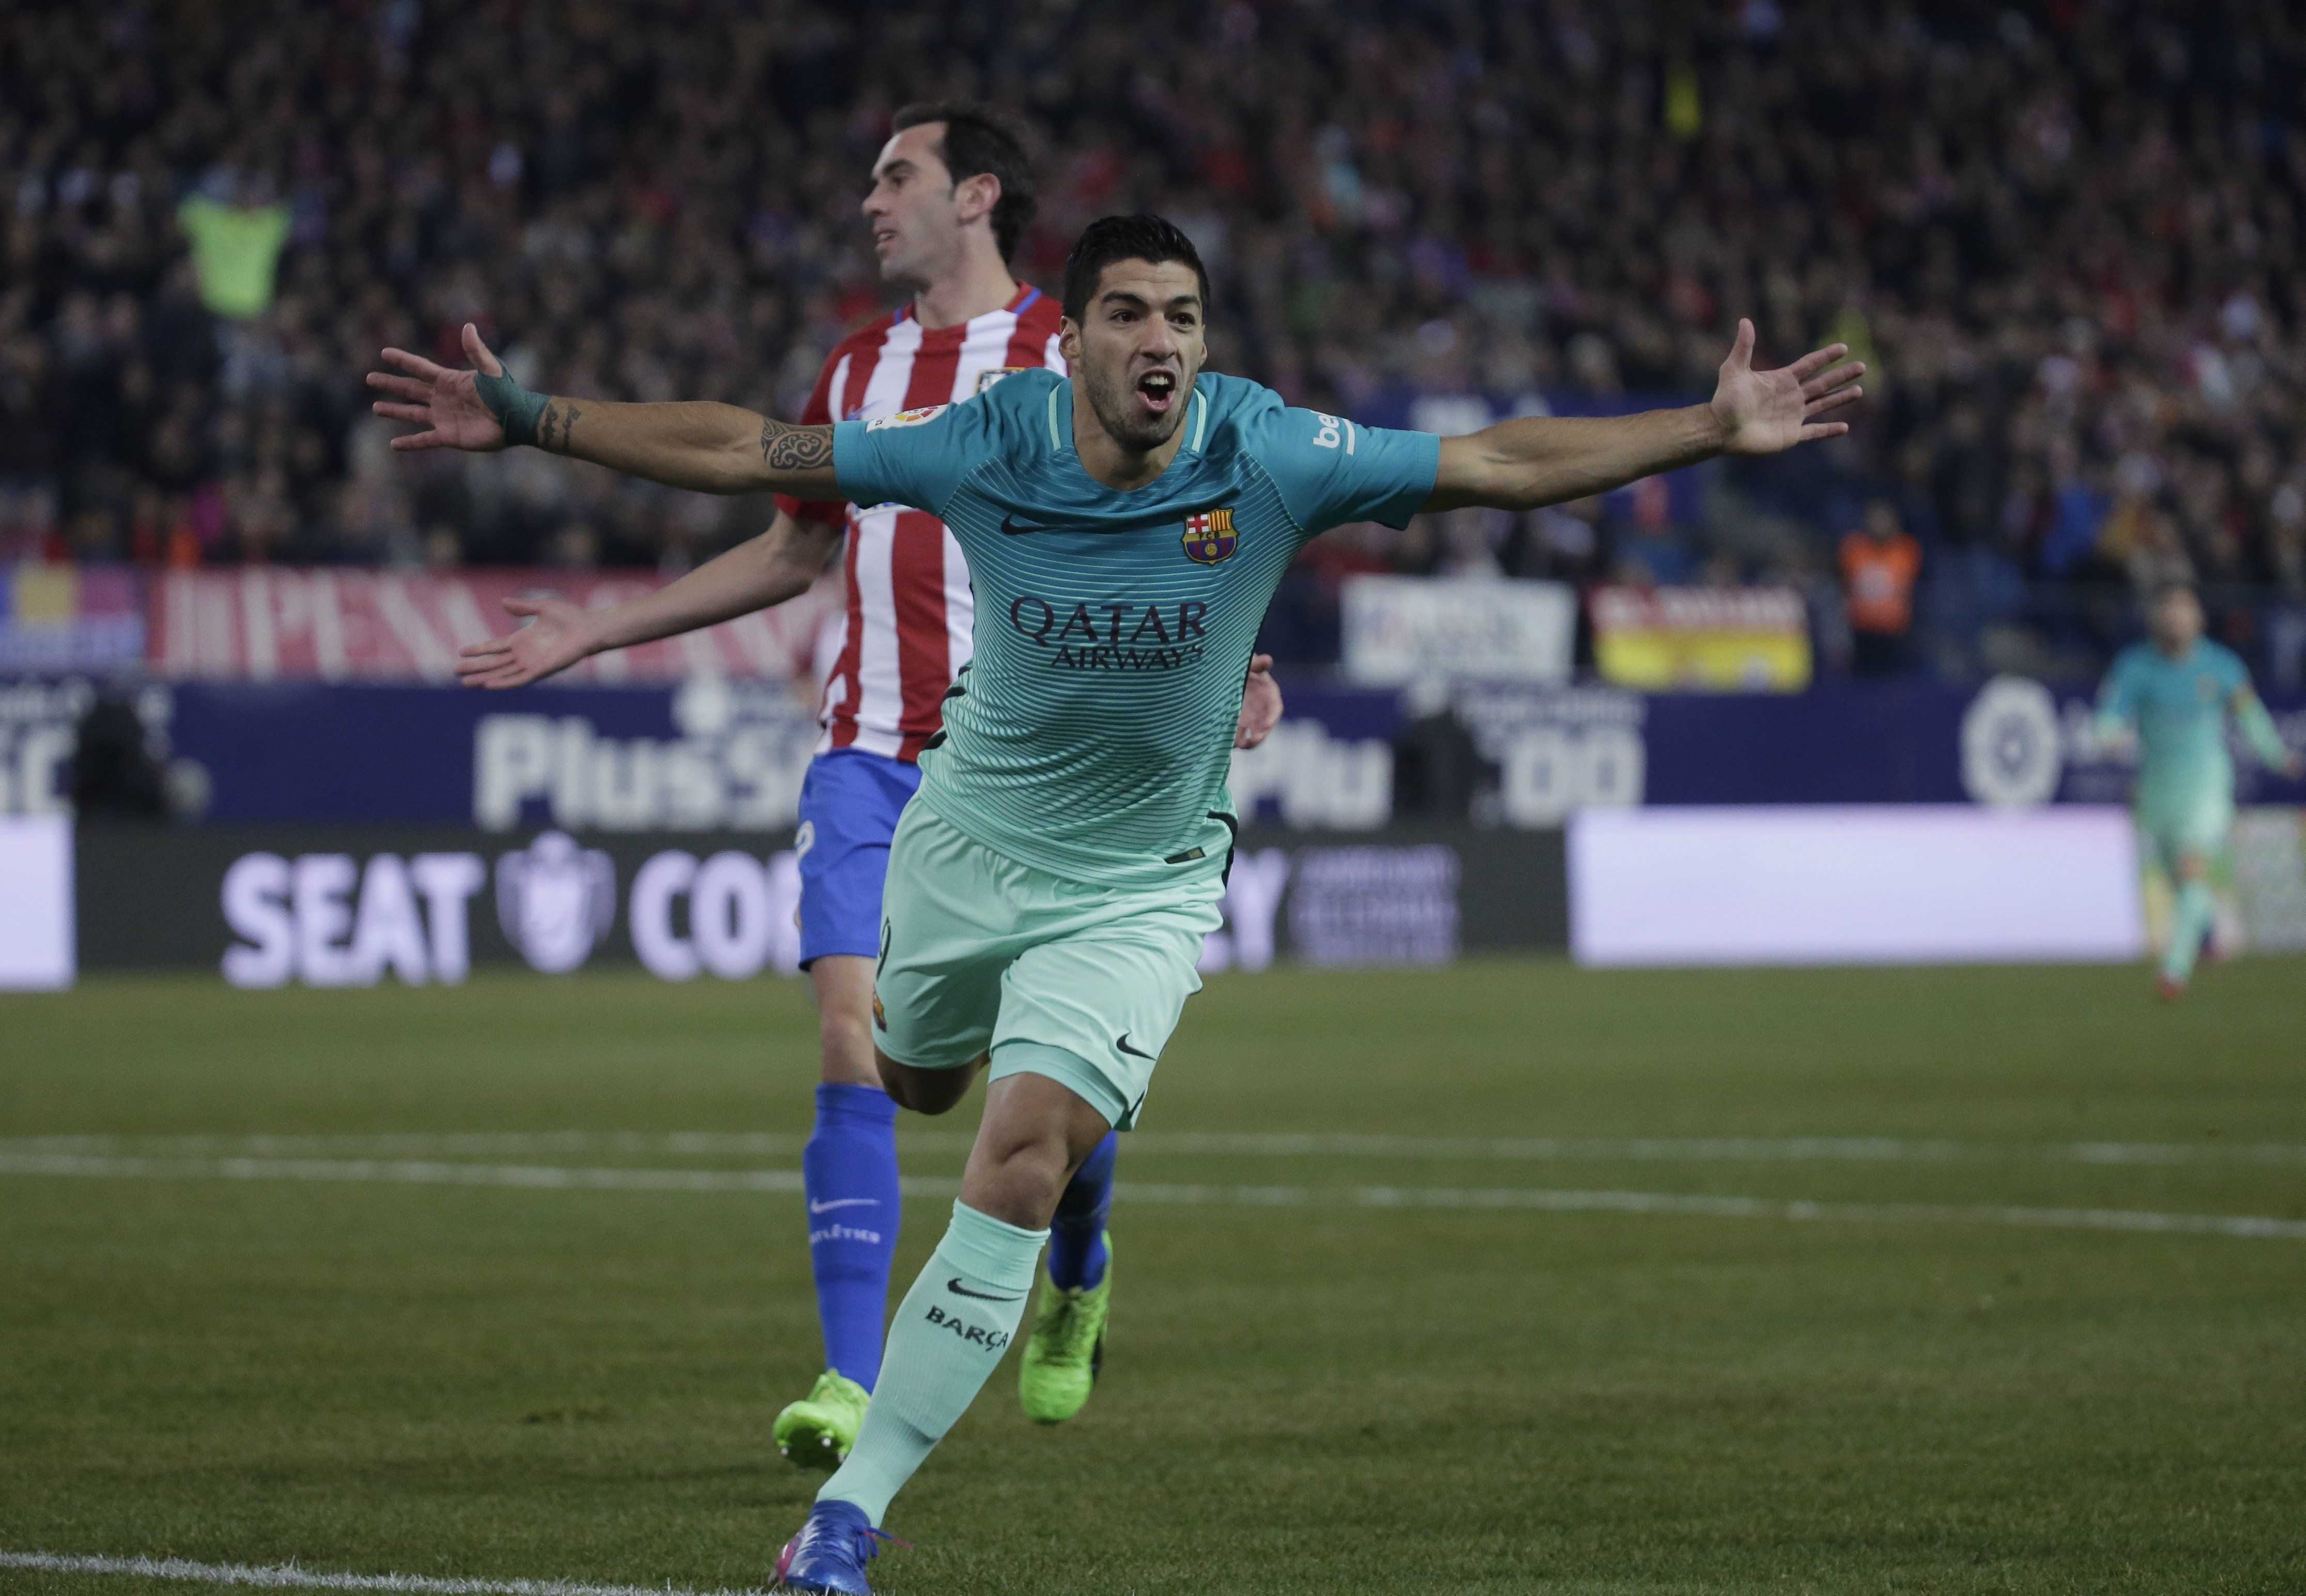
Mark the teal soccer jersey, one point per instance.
(1091, 735)
(2179, 707)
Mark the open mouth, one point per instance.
(1158, 390)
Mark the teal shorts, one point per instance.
(1083, 984)
(2174, 825)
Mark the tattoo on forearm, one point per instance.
(788, 447)
(552, 426)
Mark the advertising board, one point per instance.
(353, 906)
(1398, 630)
(36, 902)
(724, 753)
(1851, 885)
(263, 623)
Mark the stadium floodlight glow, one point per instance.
(1870, 884)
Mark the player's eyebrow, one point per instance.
(899, 167)
(1138, 302)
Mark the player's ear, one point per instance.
(1069, 343)
(975, 197)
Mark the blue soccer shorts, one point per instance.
(849, 802)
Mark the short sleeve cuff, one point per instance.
(1420, 459)
(852, 464)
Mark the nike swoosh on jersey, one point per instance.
(1122, 1042)
(954, 1285)
(1009, 523)
(844, 1202)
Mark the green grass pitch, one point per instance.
(392, 1374)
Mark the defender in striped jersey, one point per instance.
(1045, 894)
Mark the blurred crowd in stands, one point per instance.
(2070, 238)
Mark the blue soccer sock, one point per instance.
(849, 1171)
(1077, 1233)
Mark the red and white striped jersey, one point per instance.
(905, 633)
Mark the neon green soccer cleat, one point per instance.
(1066, 1348)
(817, 1431)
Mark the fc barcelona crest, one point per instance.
(1210, 537)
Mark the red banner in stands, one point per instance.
(264, 623)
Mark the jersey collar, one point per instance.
(1061, 405)
(1018, 302)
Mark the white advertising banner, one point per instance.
(1870, 884)
(1399, 629)
(36, 902)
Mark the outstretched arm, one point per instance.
(780, 564)
(1538, 460)
(2265, 739)
(2116, 708)
(711, 447)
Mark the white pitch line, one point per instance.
(1252, 1144)
(394, 1171)
(288, 1576)
(539, 1177)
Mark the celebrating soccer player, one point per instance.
(952, 195)
(2176, 690)
(1050, 885)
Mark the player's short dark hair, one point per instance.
(979, 140)
(1152, 239)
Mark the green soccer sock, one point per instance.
(2188, 925)
(945, 1341)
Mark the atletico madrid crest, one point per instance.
(1210, 537)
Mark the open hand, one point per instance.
(1261, 704)
(557, 636)
(1761, 412)
(444, 402)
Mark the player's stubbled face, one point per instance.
(1140, 346)
(2178, 621)
(910, 206)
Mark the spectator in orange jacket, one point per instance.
(1879, 565)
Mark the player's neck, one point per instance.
(1107, 460)
(979, 285)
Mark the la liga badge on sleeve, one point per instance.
(907, 418)
(1209, 536)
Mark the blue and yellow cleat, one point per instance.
(831, 1551)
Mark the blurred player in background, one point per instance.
(1050, 890)
(2175, 691)
(953, 192)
